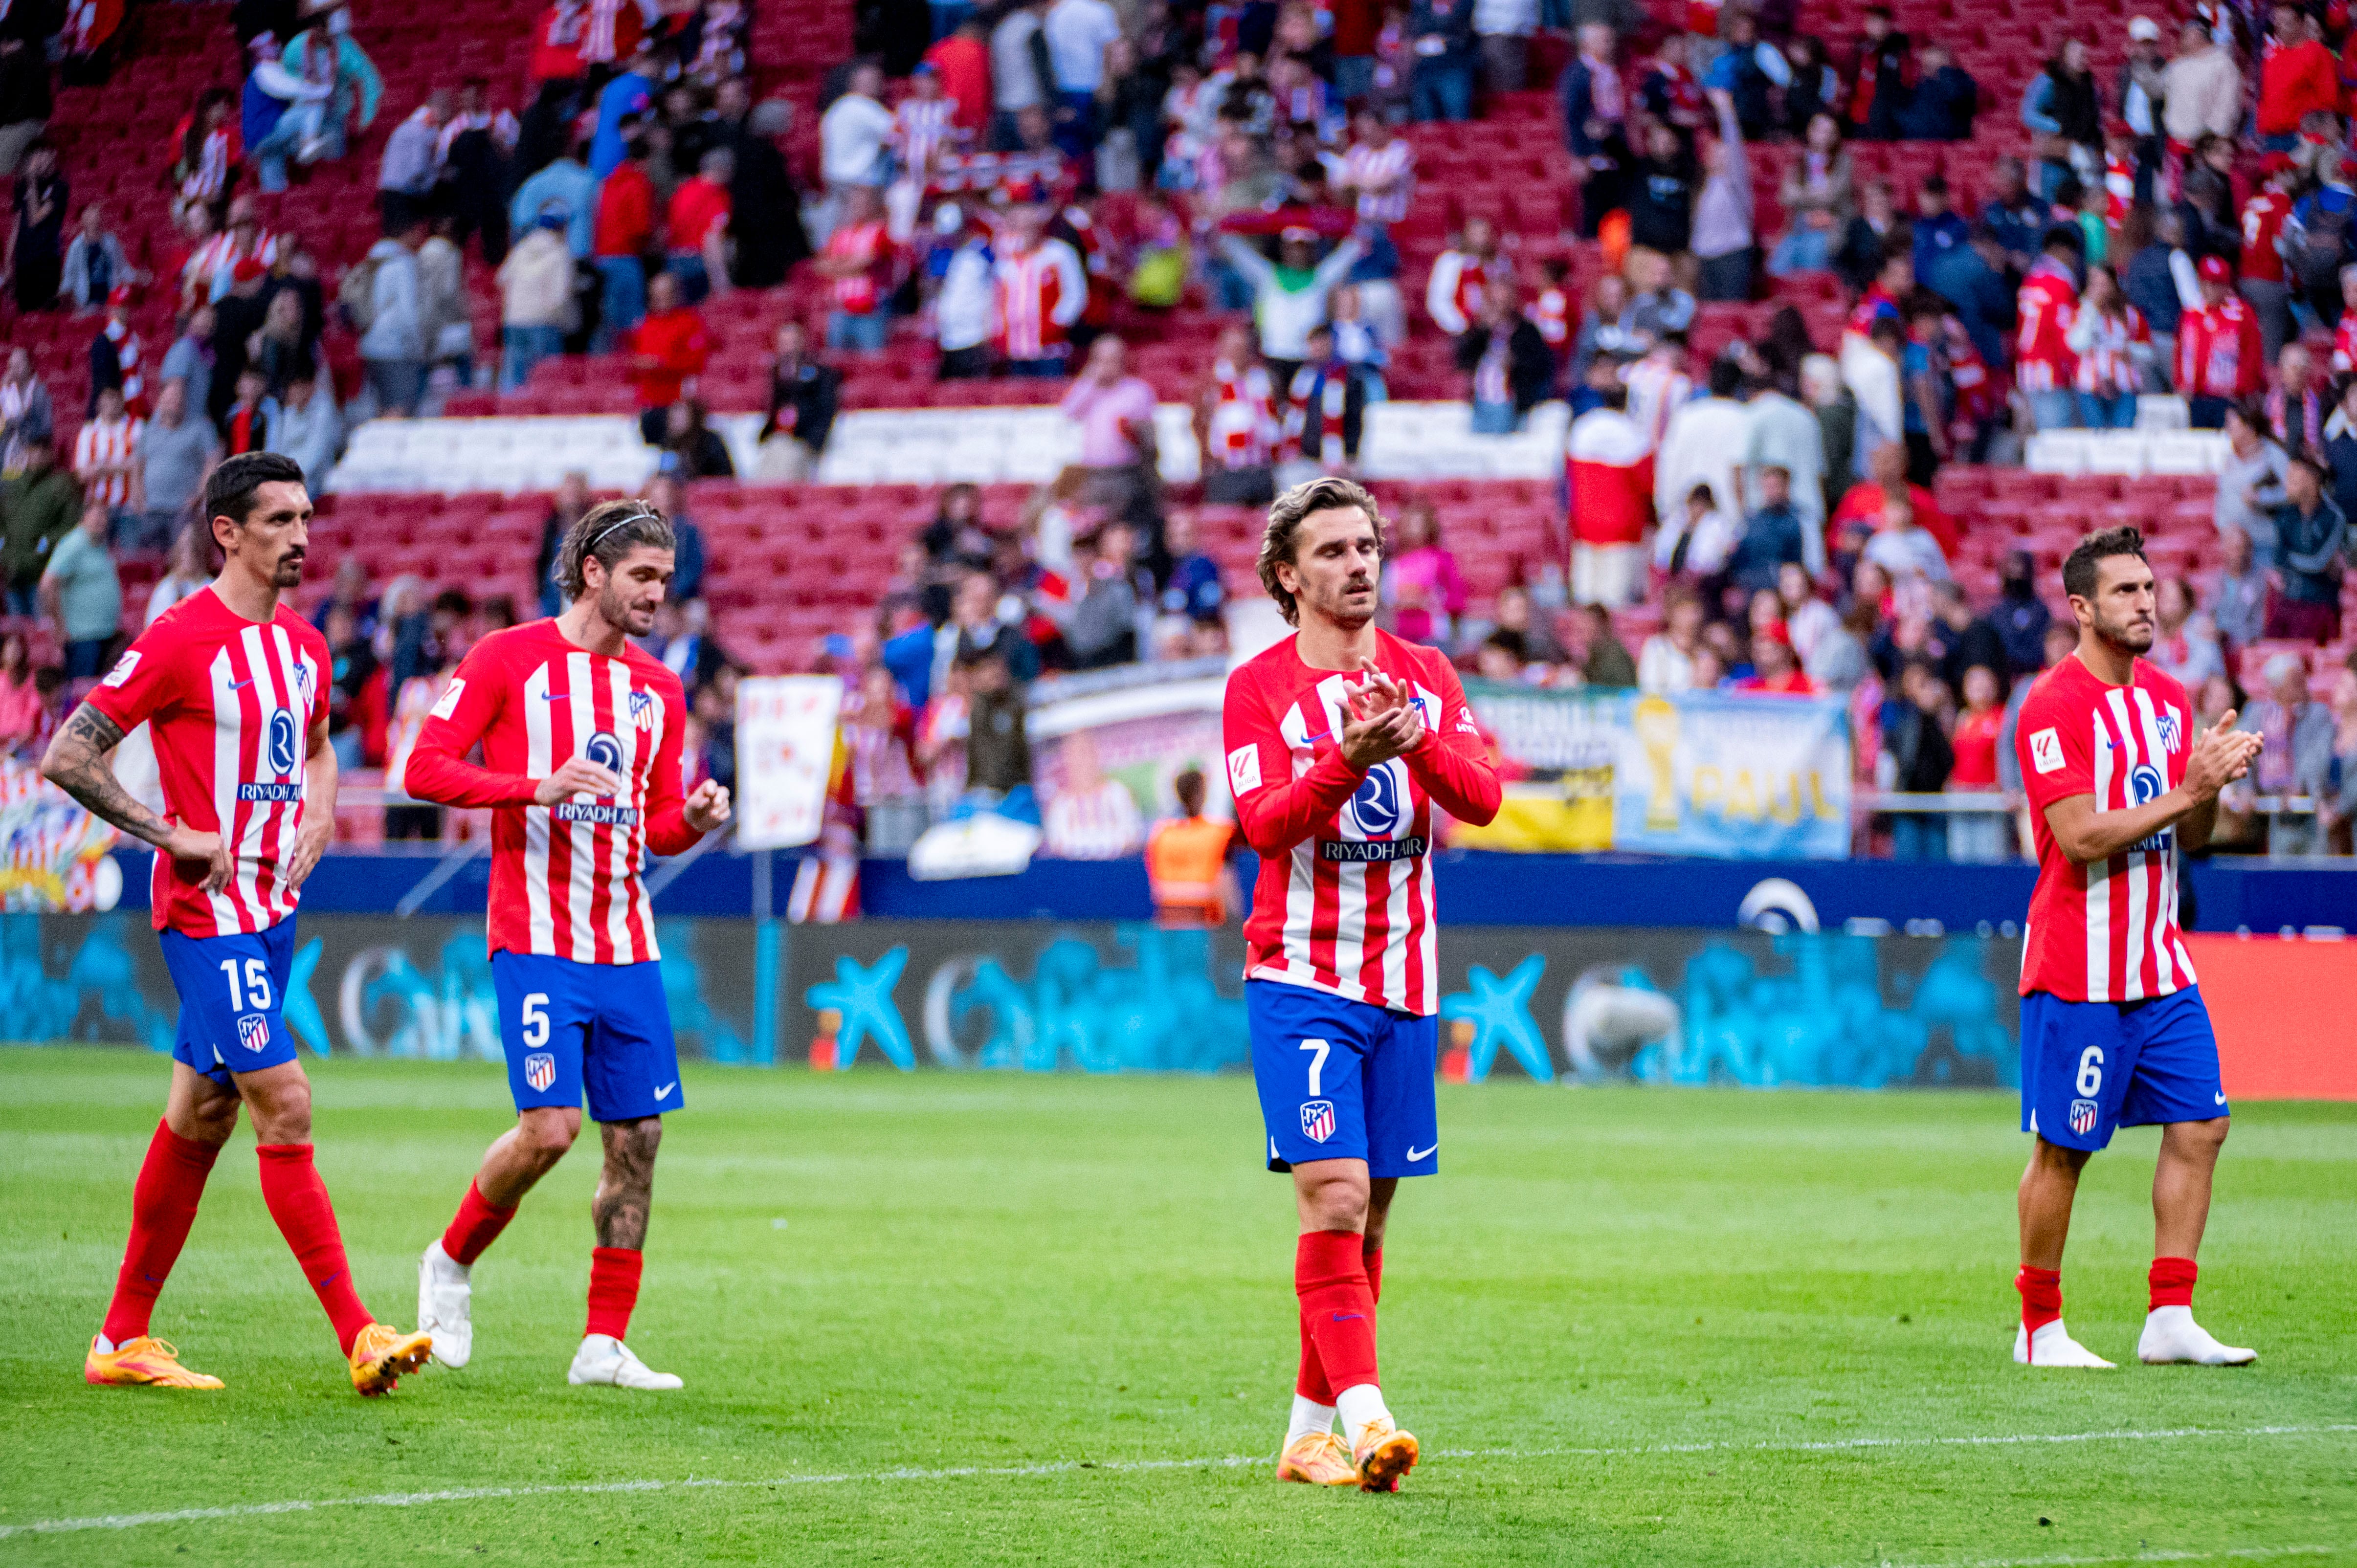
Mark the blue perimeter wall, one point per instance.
(1473, 887)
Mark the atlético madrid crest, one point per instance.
(540, 1071)
(1318, 1119)
(253, 1031)
(2082, 1117)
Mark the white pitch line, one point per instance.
(1131, 1466)
(2224, 1554)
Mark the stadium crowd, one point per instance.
(1039, 187)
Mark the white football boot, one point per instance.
(603, 1359)
(2171, 1334)
(2052, 1346)
(445, 1306)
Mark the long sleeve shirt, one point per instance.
(1286, 303)
(1722, 213)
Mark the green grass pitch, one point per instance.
(1630, 1327)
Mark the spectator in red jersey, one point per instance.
(2264, 284)
(2297, 75)
(623, 234)
(666, 351)
(699, 229)
(1610, 469)
(106, 461)
(961, 61)
(859, 257)
(1978, 836)
(1775, 669)
(2044, 368)
(2218, 357)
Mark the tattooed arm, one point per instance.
(77, 762)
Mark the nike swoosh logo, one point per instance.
(240, 685)
(2220, 1099)
(557, 696)
(1349, 1317)
(1416, 1154)
(664, 1092)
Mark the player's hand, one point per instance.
(190, 847)
(1376, 692)
(578, 776)
(310, 843)
(707, 808)
(1370, 742)
(2220, 757)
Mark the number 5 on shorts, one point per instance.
(1317, 1064)
(535, 1019)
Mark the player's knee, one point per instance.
(282, 1111)
(2202, 1137)
(547, 1133)
(1337, 1203)
(208, 1120)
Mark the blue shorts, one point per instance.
(1343, 1081)
(231, 989)
(2088, 1067)
(604, 1027)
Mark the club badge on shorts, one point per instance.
(2082, 1117)
(253, 1031)
(540, 1071)
(1318, 1119)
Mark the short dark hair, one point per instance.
(2308, 457)
(2079, 567)
(1277, 542)
(607, 533)
(1188, 787)
(230, 492)
(1725, 377)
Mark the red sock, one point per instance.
(1311, 1383)
(2172, 1281)
(476, 1225)
(297, 1199)
(2041, 1296)
(1329, 1274)
(163, 1206)
(613, 1289)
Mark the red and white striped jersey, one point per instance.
(2048, 304)
(2107, 364)
(2104, 932)
(1383, 177)
(1040, 292)
(1241, 428)
(565, 878)
(2345, 343)
(612, 31)
(1452, 295)
(103, 443)
(923, 129)
(1344, 899)
(231, 705)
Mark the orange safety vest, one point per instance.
(1183, 859)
